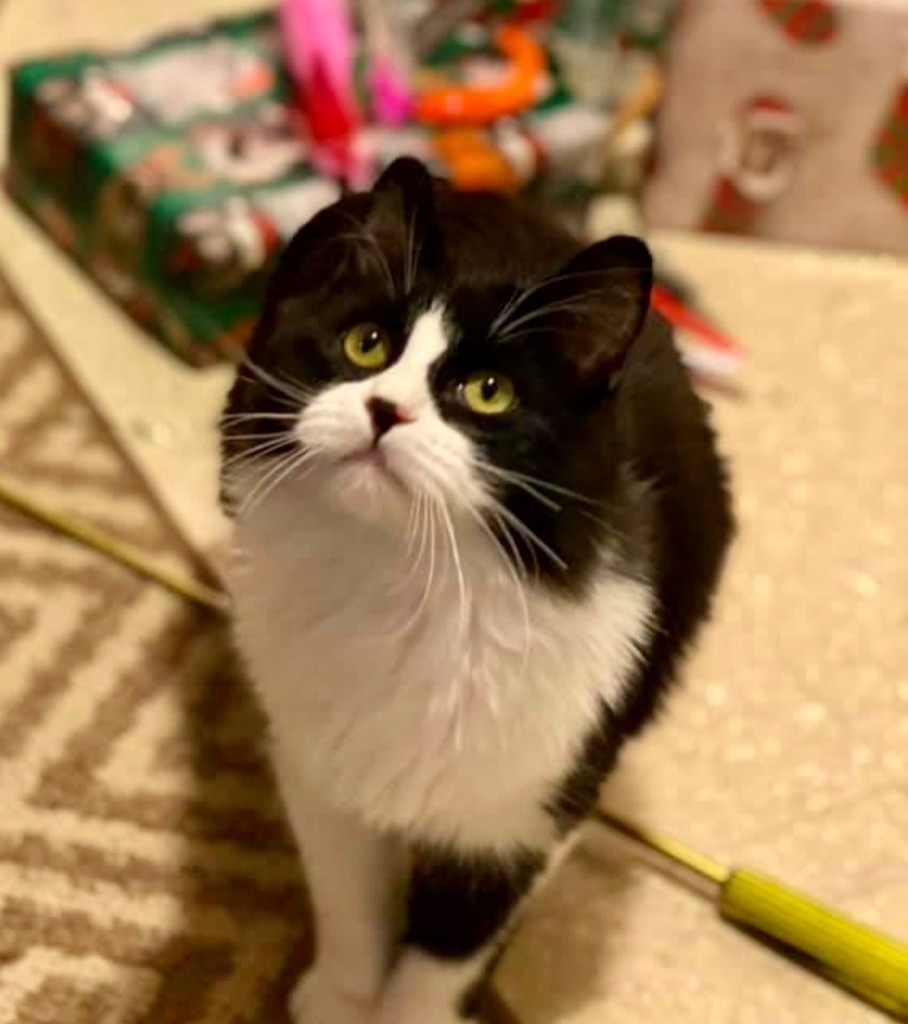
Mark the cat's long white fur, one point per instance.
(439, 701)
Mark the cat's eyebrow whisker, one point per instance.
(507, 309)
(374, 251)
(413, 254)
(362, 235)
(578, 305)
(526, 294)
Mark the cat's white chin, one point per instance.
(365, 486)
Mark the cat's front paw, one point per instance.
(317, 1000)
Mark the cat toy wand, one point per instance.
(858, 959)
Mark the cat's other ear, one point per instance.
(598, 303)
(402, 203)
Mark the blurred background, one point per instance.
(156, 155)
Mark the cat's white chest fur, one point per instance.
(434, 695)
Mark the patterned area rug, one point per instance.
(145, 874)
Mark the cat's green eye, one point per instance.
(368, 347)
(488, 393)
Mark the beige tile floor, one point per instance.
(788, 748)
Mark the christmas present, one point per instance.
(171, 173)
(175, 172)
(788, 120)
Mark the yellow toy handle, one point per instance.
(854, 957)
(872, 966)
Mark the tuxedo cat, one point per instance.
(478, 517)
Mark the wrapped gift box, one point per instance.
(170, 173)
(175, 172)
(787, 119)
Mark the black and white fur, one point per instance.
(454, 620)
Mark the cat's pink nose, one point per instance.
(385, 415)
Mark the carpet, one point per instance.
(145, 873)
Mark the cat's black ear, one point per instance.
(598, 303)
(407, 179)
(402, 204)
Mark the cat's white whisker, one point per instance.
(238, 466)
(415, 540)
(270, 435)
(294, 468)
(279, 399)
(296, 393)
(511, 570)
(463, 608)
(273, 477)
(410, 529)
(416, 616)
(512, 478)
(532, 538)
(430, 575)
(422, 530)
(256, 453)
(297, 387)
(267, 474)
(547, 485)
(513, 547)
(247, 417)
